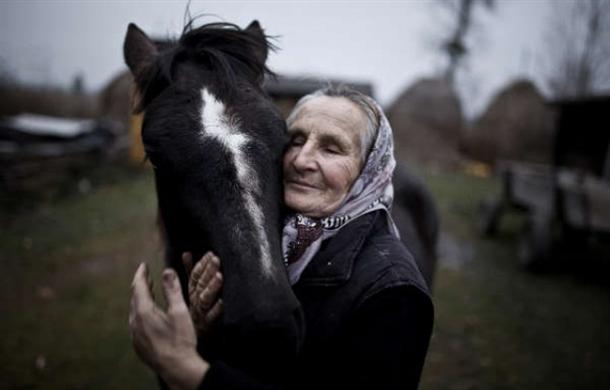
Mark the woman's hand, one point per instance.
(165, 341)
(205, 283)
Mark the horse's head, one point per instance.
(216, 141)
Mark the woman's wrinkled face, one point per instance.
(323, 158)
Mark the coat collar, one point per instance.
(333, 264)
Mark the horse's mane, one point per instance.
(219, 47)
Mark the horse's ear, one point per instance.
(139, 50)
(257, 31)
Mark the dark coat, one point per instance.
(368, 316)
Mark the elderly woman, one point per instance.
(367, 310)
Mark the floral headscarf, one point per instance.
(371, 191)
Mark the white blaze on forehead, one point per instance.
(218, 125)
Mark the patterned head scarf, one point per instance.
(372, 190)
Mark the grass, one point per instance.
(498, 327)
(67, 266)
(65, 288)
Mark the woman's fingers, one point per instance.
(142, 299)
(161, 337)
(198, 271)
(205, 319)
(151, 284)
(209, 294)
(214, 312)
(205, 285)
(213, 265)
(202, 275)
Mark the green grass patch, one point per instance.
(66, 284)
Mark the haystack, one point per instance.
(115, 98)
(517, 125)
(427, 122)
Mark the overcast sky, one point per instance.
(388, 43)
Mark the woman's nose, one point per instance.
(304, 158)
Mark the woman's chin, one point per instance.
(300, 203)
(296, 204)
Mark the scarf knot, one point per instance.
(308, 231)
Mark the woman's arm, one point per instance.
(386, 340)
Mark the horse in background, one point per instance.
(215, 141)
(416, 216)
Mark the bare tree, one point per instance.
(579, 42)
(455, 46)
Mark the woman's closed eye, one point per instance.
(297, 140)
(332, 147)
(332, 150)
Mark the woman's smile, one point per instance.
(302, 183)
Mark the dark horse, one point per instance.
(415, 214)
(216, 141)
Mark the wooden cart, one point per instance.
(567, 202)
